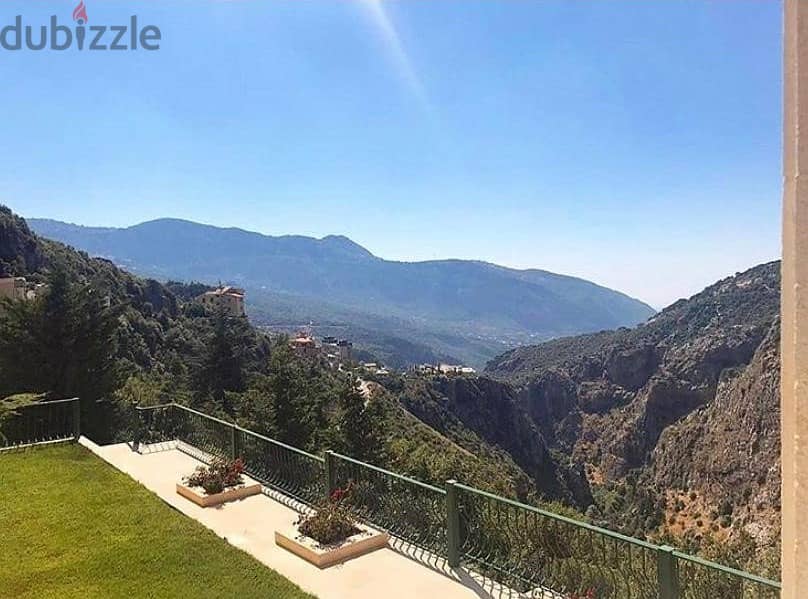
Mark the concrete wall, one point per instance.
(794, 340)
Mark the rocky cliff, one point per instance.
(685, 405)
(491, 410)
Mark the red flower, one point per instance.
(338, 495)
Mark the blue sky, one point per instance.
(636, 144)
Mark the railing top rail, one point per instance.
(155, 407)
(280, 444)
(49, 402)
(203, 415)
(726, 569)
(401, 477)
(558, 517)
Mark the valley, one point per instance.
(668, 430)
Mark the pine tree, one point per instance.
(62, 344)
(359, 423)
(222, 366)
(287, 386)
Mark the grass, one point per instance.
(73, 526)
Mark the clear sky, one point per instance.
(634, 143)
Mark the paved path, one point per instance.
(250, 524)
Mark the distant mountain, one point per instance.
(466, 310)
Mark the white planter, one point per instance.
(199, 497)
(365, 541)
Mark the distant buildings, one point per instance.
(17, 288)
(335, 351)
(305, 346)
(375, 368)
(229, 299)
(13, 288)
(445, 369)
(339, 350)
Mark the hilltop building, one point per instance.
(231, 299)
(17, 288)
(337, 350)
(305, 346)
(13, 288)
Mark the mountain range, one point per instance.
(401, 312)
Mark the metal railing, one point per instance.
(280, 466)
(700, 578)
(543, 554)
(536, 552)
(41, 422)
(407, 508)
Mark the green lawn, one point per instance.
(73, 526)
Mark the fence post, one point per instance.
(233, 455)
(76, 419)
(330, 473)
(667, 573)
(452, 525)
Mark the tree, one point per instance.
(359, 423)
(222, 366)
(287, 388)
(62, 344)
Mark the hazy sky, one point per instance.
(635, 143)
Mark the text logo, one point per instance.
(57, 36)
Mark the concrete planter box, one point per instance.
(199, 497)
(365, 541)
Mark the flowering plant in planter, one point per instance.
(220, 475)
(331, 522)
(588, 594)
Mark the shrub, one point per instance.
(331, 522)
(587, 594)
(215, 478)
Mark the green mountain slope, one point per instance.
(468, 310)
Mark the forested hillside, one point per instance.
(114, 340)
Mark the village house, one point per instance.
(305, 346)
(230, 299)
(18, 288)
(13, 288)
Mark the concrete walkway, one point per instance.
(250, 524)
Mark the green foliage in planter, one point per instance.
(217, 477)
(331, 522)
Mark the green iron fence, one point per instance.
(701, 579)
(290, 470)
(283, 467)
(533, 551)
(41, 422)
(546, 555)
(407, 508)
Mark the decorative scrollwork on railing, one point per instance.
(40, 422)
(408, 509)
(544, 555)
(700, 579)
